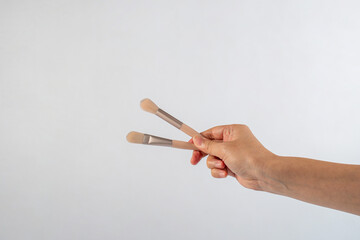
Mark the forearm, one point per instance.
(322, 183)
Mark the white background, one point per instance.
(72, 74)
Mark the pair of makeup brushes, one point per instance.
(142, 138)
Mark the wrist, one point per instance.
(269, 174)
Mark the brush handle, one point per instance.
(183, 145)
(188, 130)
(176, 122)
(168, 118)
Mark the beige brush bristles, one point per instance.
(148, 106)
(135, 137)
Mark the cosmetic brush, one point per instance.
(141, 138)
(149, 106)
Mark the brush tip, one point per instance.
(148, 105)
(135, 137)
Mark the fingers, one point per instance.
(212, 142)
(218, 168)
(214, 162)
(219, 173)
(196, 155)
(216, 133)
(215, 148)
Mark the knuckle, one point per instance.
(239, 125)
(214, 173)
(208, 164)
(227, 132)
(208, 145)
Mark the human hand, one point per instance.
(233, 150)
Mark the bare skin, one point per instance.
(233, 150)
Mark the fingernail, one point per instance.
(198, 141)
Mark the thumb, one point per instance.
(210, 147)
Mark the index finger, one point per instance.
(196, 156)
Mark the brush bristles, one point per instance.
(148, 105)
(135, 137)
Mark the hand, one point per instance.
(233, 150)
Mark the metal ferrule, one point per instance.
(167, 117)
(154, 140)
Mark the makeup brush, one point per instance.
(149, 106)
(141, 138)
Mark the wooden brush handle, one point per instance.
(176, 122)
(188, 130)
(183, 145)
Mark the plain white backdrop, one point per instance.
(72, 74)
